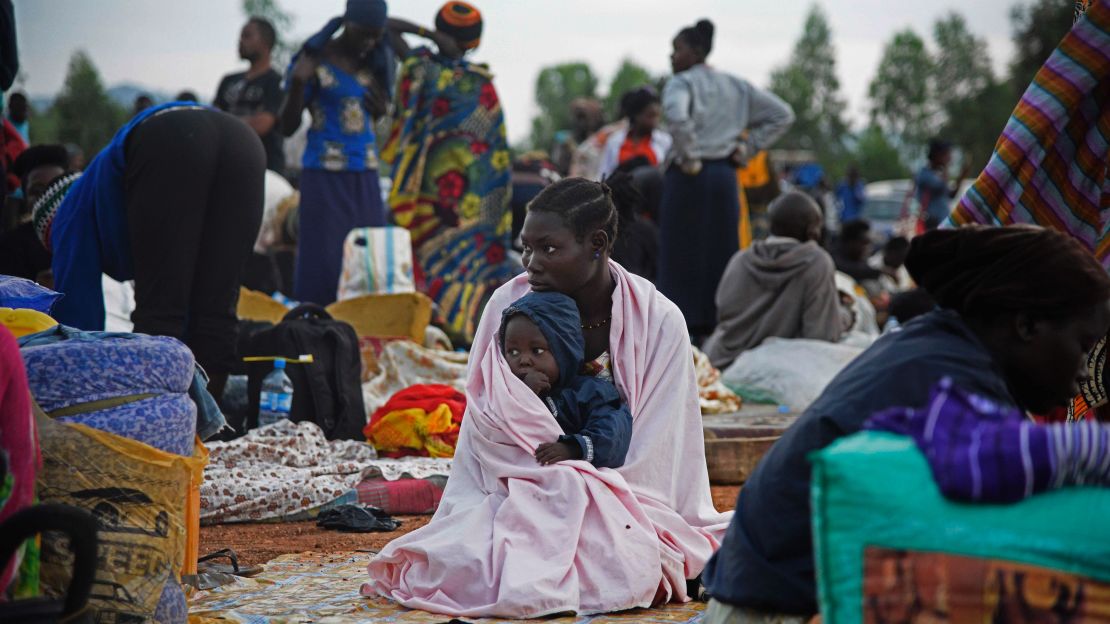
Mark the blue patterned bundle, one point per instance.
(131, 385)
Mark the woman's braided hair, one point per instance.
(583, 205)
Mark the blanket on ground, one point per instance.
(513, 538)
(288, 471)
(404, 364)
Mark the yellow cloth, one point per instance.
(415, 428)
(755, 174)
(25, 322)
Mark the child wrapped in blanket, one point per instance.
(541, 338)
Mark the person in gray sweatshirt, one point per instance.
(781, 287)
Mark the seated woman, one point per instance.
(1019, 307)
(637, 247)
(513, 538)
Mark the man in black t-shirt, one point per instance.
(255, 95)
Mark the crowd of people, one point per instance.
(579, 278)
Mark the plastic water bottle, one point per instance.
(276, 400)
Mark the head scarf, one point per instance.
(557, 317)
(368, 13)
(42, 215)
(977, 270)
(462, 21)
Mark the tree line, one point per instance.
(944, 87)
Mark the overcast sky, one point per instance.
(169, 45)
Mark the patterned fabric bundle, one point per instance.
(421, 420)
(131, 385)
(451, 181)
(1050, 165)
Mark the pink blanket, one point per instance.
(515, 539)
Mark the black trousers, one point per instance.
(193, 189)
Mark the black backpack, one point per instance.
(328, 391)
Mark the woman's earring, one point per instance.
(597, 254)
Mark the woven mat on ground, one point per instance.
(315, 587)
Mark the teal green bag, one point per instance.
(876, 490)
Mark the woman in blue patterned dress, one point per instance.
(344, 82)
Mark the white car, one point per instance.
(891, 207)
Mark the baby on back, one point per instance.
(541, 339)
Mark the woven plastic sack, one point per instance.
(138, 493)
(787, 372)
(376, 261)
(889, 547)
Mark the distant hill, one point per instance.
(122, 94)
(125, 94)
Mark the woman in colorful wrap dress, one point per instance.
(451, 168)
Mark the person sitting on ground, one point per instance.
(587, 118)
(908, 305)
(782, 287)
(608, 539)
(852, 250)
(637, 247)
(890, 261)
(21, 253)
(541, 339)
(1020, 307)
(643, 143)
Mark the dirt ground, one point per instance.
(259, 543)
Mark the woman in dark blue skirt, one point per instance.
(344, 83)
(718, 121)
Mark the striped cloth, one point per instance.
(981, 451)
(1049, 166)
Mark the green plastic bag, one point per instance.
(886, 540)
